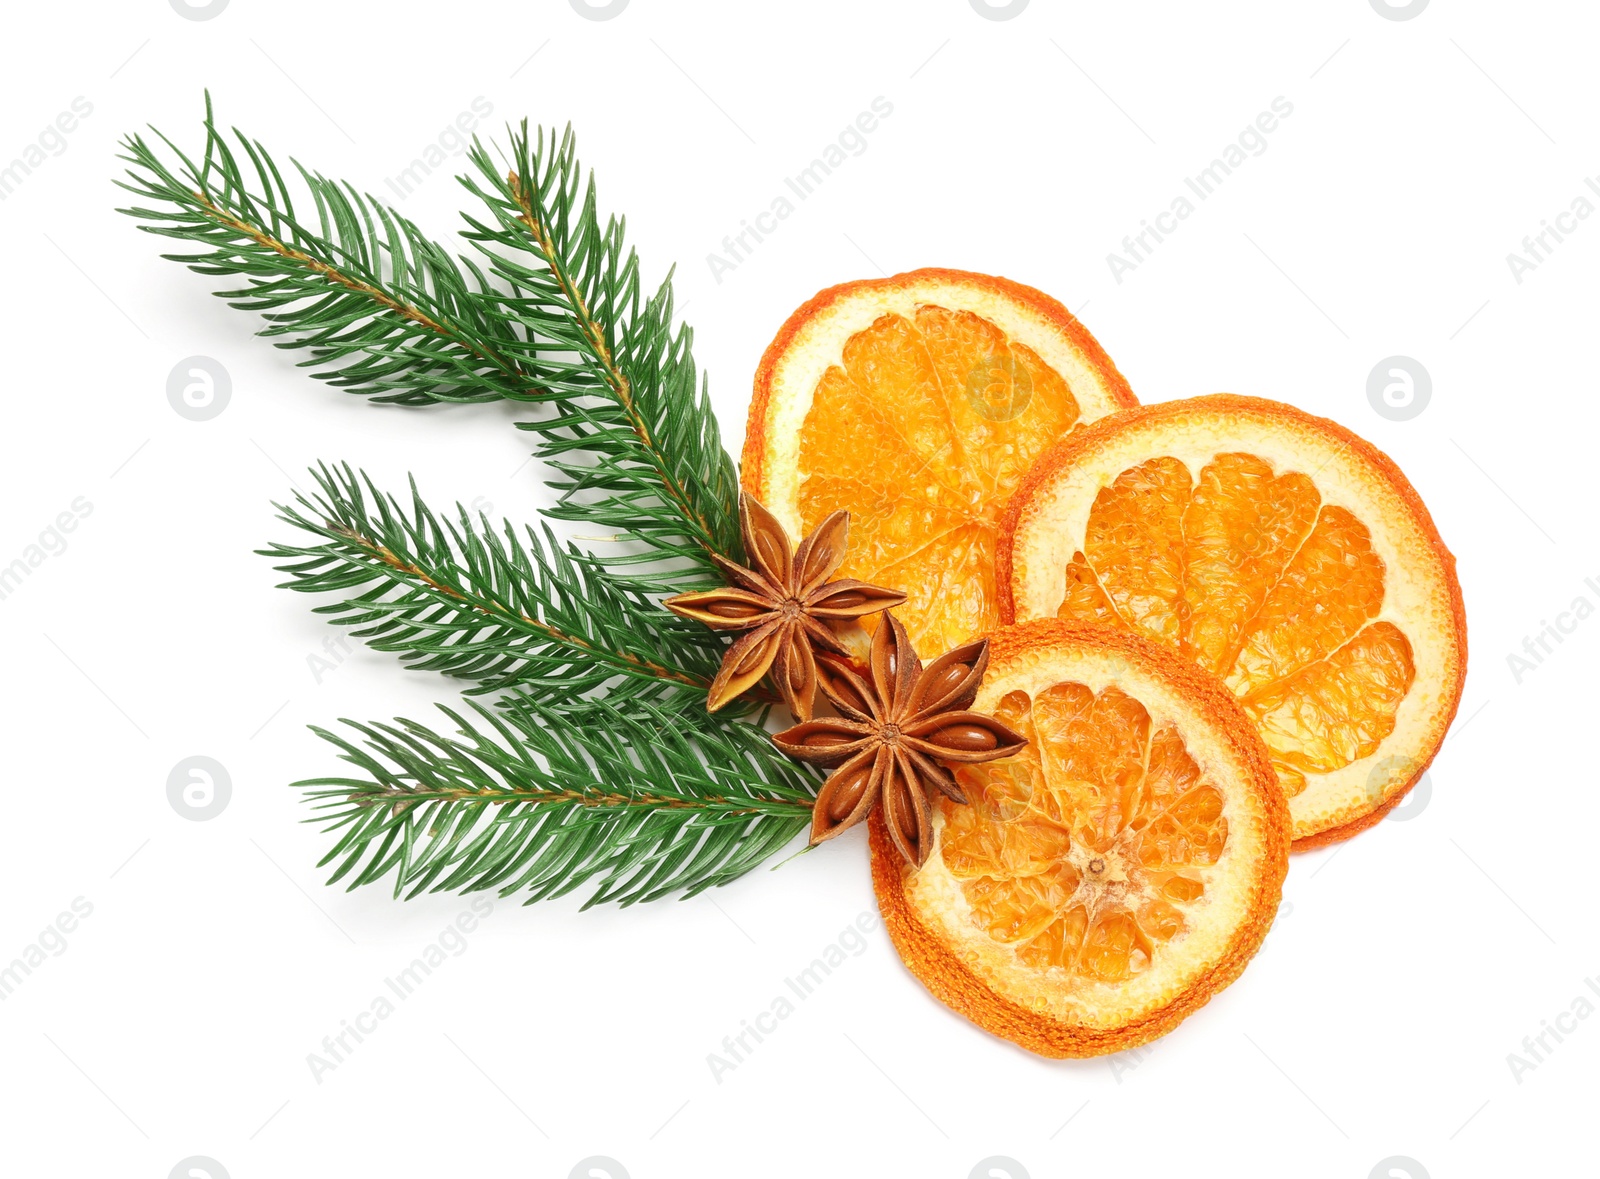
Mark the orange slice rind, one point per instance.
(918, 403)
(1279, 552)
(1103, 884)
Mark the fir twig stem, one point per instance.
(401, 797)
(503, 613)
(616, 379)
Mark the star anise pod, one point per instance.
(891, 735)
(784, 601)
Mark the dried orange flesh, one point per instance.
(922, 433)
(918, 404)
(1248, 573)
(1103, 883)
(1278, 552)
(1087, 851)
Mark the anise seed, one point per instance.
(751, 657)
(817, 740)
(967, 738)
(734, 609)
(771, 553)
(849, 793)
(843, 689)
(906, 814)
(949, 679)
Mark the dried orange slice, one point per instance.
(1279, 552)
(918, 403)
(1104, 883)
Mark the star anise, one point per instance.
(892, 734)
(785, 601)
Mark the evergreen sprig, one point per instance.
(501, 609)
(598, 762)
(385, 311)
(633, 435)
(381, 309)
(524, 800)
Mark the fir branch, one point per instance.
(640, 792)
(388, 312)
(641, 802)
(385, 311)
(622, 384)
(503, 610)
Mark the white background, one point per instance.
(1407, 965)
